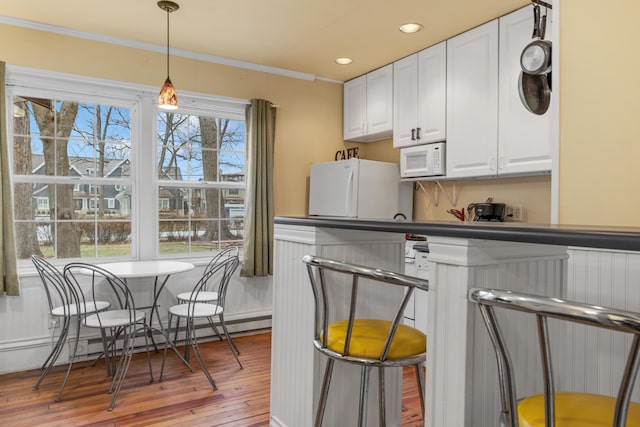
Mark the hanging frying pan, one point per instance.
(536, 56)
(535, 92)
(534, 82)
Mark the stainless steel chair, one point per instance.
(121, 321)
(345, 335)
(64, 304)
(553, 408)
(209, 295)
(195, 309)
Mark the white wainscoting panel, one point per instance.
(296, 368)
(26, 340)
(462, 387)
(597, 357)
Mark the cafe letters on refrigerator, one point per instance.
(347, 154)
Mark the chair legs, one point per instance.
(324, 392)
(72, 358)
(232, 346)
(420, 379)
(125, 360)
(364, 393)
(191, 331)
(55, 352)
(381, 397)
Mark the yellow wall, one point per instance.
(533, 194)
(599, 113)
(309, 117)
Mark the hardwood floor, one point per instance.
(181, 399)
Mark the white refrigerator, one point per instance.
(356, 188)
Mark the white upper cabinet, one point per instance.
(368, 106)
(524, 139)
(472, 102)
(419, 97)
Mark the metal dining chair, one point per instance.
(64, 304)
(195, 309)
(120, 322)
(209, 295)
(347, 336)
(551, 408)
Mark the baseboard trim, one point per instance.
(30, 353)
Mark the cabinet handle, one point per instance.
(413, 134)
(417, 133)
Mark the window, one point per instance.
(86, 184)
(201, 162)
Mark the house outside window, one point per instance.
(43, 203)
(99, 205)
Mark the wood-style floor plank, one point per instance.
(182, 398)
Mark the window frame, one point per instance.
(142, 101)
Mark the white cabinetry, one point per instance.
(419, 97)
(472, 102)
(489, 132)
(368, 106)
(524, 141)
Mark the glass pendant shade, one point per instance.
(168, 98)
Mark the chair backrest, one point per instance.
(231, 251)
(59, 293)
(339, 295)
(96, 284)
(571, 311)
(218, 276)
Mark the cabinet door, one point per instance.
(524, 144)
(380, 103)
(405, 101)
(355, 107)
(432, 94)
(472, 102)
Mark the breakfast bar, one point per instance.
(461, 385)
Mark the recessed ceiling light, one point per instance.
(344, 61)
(410, 28)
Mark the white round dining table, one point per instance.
(156, 269)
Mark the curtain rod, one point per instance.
(542, 3)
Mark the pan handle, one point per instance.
(536, 21)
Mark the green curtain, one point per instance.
(8, 265)
(258, 220)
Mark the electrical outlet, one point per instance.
(516, 212)
(54, 322)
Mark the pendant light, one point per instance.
(168, 98)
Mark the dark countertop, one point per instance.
(622, 238)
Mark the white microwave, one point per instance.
(423, 160)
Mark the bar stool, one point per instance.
(348, 337)
(551, 408)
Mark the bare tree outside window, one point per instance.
(77, 161)
(58, 146)
(208, 151)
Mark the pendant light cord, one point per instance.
(168, 12)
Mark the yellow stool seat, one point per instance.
(368, 338)
(575, 410)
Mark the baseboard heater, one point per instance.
(94, 347)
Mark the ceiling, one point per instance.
(297, 35)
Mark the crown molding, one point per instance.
(39, 26)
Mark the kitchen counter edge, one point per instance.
(620, 238)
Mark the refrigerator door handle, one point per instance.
(349, 194)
